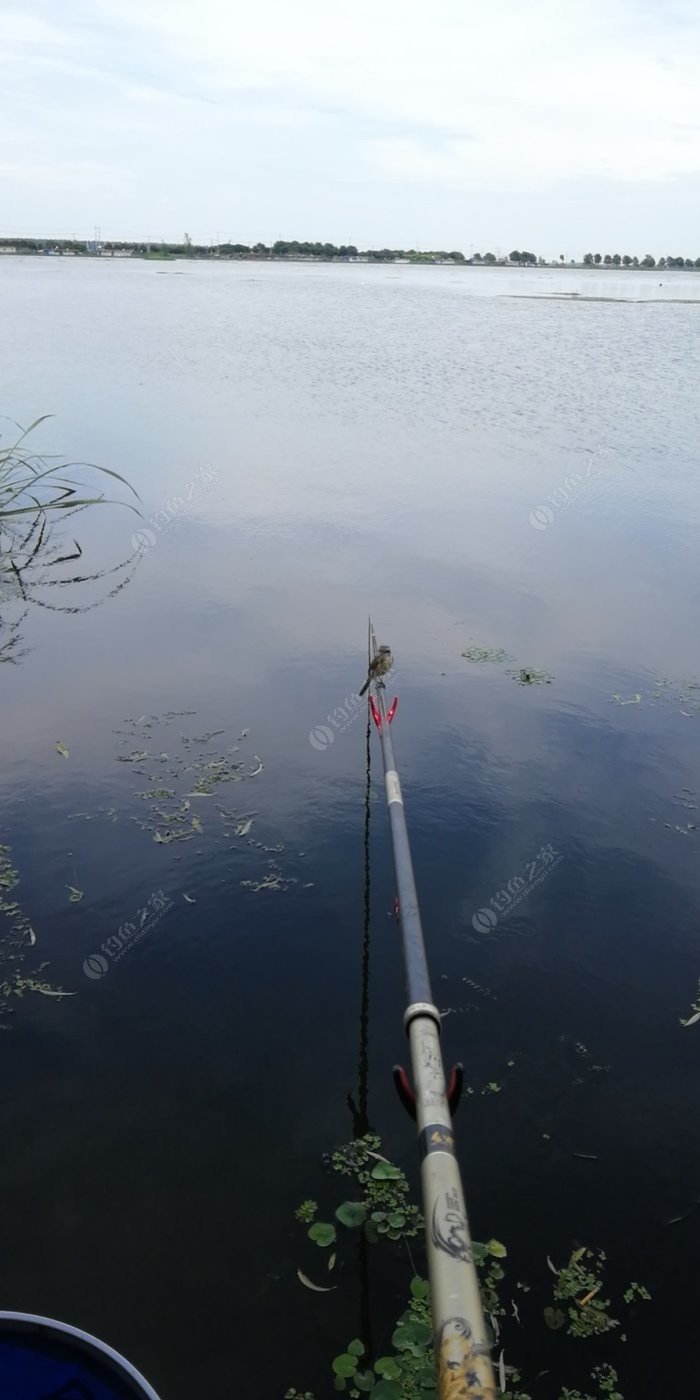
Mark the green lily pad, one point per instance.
(356, 1347)
(554, 1318)
(352, 1214)
(411, 1334)
(322, 1234)
(345, 1365)
(387, 1366)
(387, 1390)
(385, 1171)
(364, 1380)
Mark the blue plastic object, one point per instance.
(41, 1359)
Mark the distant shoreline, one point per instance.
(338, 262)
(295, 252)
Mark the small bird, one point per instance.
(379, 666)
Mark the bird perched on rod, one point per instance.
(379, 666)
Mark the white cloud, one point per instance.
(66, 177)
(461, 97)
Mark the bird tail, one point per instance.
(364, 688)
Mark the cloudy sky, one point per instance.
(558, 127)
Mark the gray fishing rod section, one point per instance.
(462, 1352)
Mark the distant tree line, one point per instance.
(326, 252)
(595, 259)
(323, 252)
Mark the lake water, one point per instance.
(478, 459)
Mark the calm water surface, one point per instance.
(477, 459)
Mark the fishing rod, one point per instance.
(461, 1348)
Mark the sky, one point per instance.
(468, 124)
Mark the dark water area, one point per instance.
(474, 469)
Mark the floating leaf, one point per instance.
(497, 1249)
(61, 748)
(691, 1019)
(387, 1390)
(356, 1347)
(411, 1334)
(344, 1365)
(322, 1234)
(244, 827)
(554, 1318)
(188, 899)
(315, 1287)
(75, 895)
(387, 1366)
(385, 1171)
(51, 991)
(530, 675)
(331, 1262)
(197, 826)
(479, 1252)
(364, 1380)
(486, 654)
(551, 1266)
(352, 1213)
(420, 1288)
(502, 1373)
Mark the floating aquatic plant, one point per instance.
(486, 654)
(530, 675)
(14, 944)
(694, 1016)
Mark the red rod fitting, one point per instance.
(407, 1096)
(392, 711)
(375, 712)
